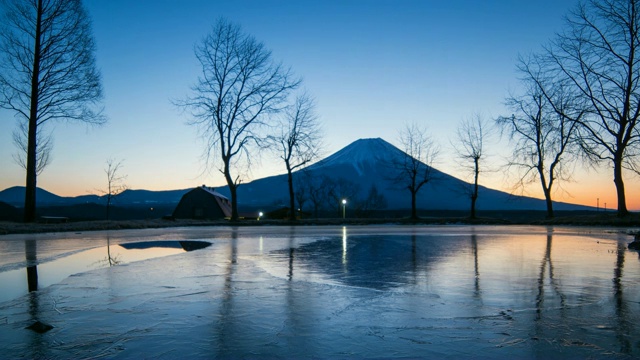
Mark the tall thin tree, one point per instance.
(413, 169)
(298, 141)
(471, 137)
(239, 88)
(115, 183)
(542, 130)
(47, 72)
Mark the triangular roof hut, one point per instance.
(203, 203)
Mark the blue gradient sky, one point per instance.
(371, 65)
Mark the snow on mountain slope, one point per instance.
(360, 153)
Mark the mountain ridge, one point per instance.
(363, 164)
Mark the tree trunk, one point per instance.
(547, 198)
(109, 205)
(546, 189)
(617, 179)
(292, 203)
(234, 202)
(414, 212)
(31, 182)
(233, 189)
(474, 196)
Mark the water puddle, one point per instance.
(16, 283)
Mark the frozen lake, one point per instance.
(323, 292)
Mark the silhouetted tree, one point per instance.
(374, 201)
(315, 192)
(340, 189)
(115, 183)
(299, 140)
(47, 72)
(542, 130)
(471, 136)
(413, 169)
(302, 196)
(597, 57)
(240, 86)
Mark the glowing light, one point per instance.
(344, 208)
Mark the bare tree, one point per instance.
(315, 188)
(471, 136)
(47, 72)
(44, 146)
(302, 196)
(598, 57)
(299, 140)
(374, 201)
(413, 169)
(240, 86)
(542, 130)
(341, 189)
(115, 183)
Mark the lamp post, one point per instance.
(260, 215)
(344, 207)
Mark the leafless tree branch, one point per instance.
(413, 169)
(239, 88)
(47, 73)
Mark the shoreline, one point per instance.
(8, 228)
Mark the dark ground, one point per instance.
(444, 217)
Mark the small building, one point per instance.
(203, 203)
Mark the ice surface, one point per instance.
(327, 292)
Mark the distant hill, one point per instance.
(353, 170)
(15, 196)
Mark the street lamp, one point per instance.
(344, 207)
(260, 215)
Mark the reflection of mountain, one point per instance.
(378, 262)
(186, 245)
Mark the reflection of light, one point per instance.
(344, 207)
(261, 240)
(344, 245)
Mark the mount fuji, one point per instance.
(365, 164)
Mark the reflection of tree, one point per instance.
(30, 248)
(113, 260)
(31, 254)
(622, 312)
(476, 267)
(292, 236)
(298, 308)
(414, 256)
(547, 263)
(110, 260)
(226, 320)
